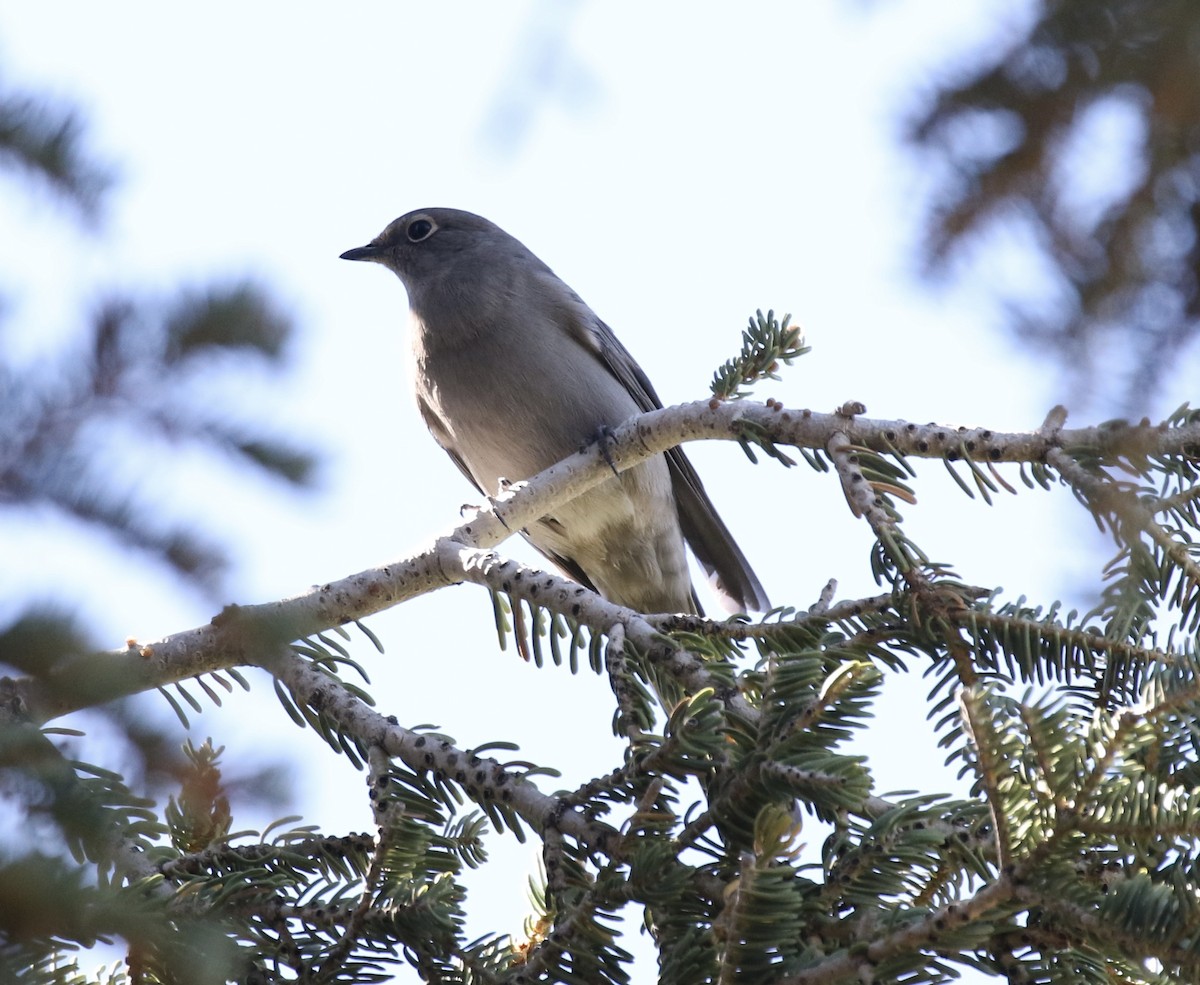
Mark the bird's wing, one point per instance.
(569, 567)
(703, 529)
(442, 437)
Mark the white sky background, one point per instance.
(678, 170)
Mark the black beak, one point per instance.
(362, 253)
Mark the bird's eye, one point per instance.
(418, 230)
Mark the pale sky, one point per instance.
(678, 170)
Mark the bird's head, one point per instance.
(421, 245)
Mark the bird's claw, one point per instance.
(605, 436)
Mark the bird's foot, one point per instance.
(605, 436)
(506, 489)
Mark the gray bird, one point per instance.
(514, 373)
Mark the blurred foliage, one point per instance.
(151, 371)
(152, 368)
(145, 372)
(43, 141)
(1018, 140)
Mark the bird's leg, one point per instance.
(506, 487)
(604, 438)
(478, 508)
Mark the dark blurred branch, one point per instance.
(45, 142)
(1127, 260)
(131, 376)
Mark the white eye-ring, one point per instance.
(419, 229)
